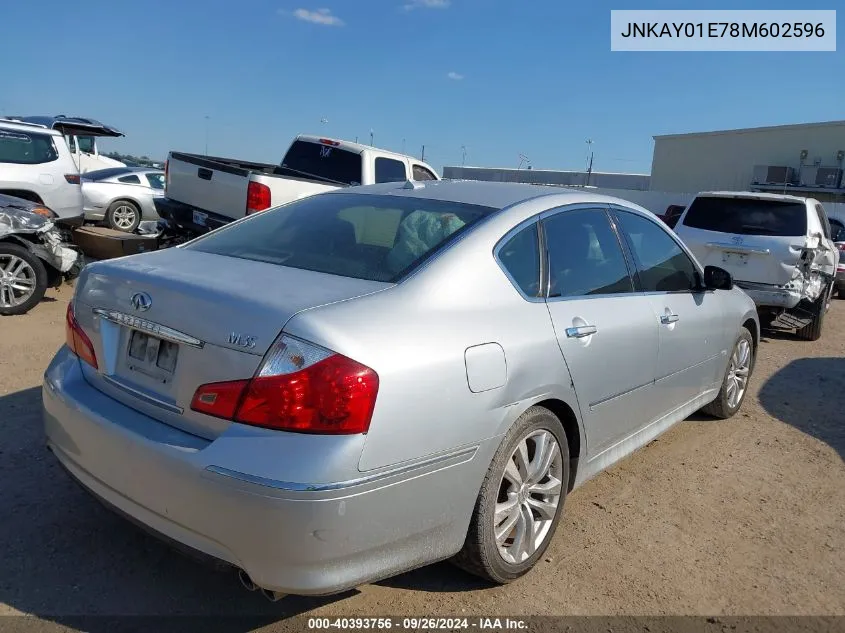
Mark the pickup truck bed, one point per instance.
(206, 192)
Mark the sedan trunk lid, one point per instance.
(165, 322)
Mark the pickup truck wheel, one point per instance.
(735, 382)
(813, 330)
(123, 215)
(521, 500)
(23, 279)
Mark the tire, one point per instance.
(813, 330)
(20, 268)
(123, 215)
(841, 294)
(725, 406)
(481, 554)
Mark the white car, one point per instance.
(778, 248)
(36, 165)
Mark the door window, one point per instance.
(133, 180)
(663, 265)
(389, 170)
(520, 257)
(585, 257)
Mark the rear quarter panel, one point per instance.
(415, 336)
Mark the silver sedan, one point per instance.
(122, 197)
(369, 380)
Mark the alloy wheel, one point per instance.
(17, 281)
(738, 371)
(124, 217)
(529, 494)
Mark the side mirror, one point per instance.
(716, 278)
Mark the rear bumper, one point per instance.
(181, 216)
(292, 538)
(771, 296)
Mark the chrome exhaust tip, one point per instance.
(272, 596)
(246, 581)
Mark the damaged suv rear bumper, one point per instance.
(772, 296)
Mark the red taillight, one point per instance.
(77, 340)
(166, 165)
(841, 247)
(300, 388)
(73, 179)
(219, 399)
(257, 197)
(328, 141)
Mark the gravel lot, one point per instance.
(739, 517)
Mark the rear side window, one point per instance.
(747, 216)
(520, 257)
(378, 238)
(823, 219)
(156, 181)
(421, 173)
(324, 162)
(132, 180)
(389, 170)
(26, 148)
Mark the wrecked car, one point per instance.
(34, 255)
(778, 248)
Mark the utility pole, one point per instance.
(371, 137)
(463, 155)
(422, 156)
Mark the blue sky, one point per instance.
(536, 78)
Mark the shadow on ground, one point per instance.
(67, 559)
(809, 394)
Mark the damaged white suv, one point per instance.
(778, 249)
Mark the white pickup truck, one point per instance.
(205, 192)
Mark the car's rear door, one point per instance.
(693, 334)
(606, 330)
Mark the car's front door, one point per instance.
(693, 334)
(606, 331)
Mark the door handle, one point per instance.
(666, 319)
(581, 331)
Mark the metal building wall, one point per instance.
(725, 160)
(638, 182)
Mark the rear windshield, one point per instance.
(746, 216)
(378, 238)
(314, 160)
(25, 148)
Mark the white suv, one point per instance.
(778, 249)
(36, 164)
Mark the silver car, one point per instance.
(369, 380)
(122, 196)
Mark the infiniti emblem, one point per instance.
(141, 301)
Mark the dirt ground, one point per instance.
(737, 517)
